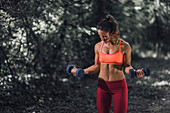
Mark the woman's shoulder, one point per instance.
(125, 45)
(98, 45)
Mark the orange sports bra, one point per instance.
(115, 58)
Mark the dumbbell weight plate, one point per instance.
(132, 73)
(80, 73)
(147, 71)
(69, 68)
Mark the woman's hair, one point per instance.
(108, 24)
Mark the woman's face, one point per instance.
(106, 36)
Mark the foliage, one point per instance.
(41, 37)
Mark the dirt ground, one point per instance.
(74, 95)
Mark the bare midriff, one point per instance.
(111, 72)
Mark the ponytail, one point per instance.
(108, 24)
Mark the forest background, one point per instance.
(39, 38)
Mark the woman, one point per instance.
(112, 55)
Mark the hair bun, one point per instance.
(109, 18)
(108, 24)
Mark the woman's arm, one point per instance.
(127, 62)
(127, 58)
(96, 67)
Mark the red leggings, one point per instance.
(108, 90)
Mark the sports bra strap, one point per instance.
(120, 44)
(102, 46)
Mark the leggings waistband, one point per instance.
(106, 85)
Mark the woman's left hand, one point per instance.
(139, 73)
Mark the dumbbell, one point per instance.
(79, 72)
(132, 73)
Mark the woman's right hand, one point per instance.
(73, 71)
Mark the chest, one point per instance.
(110, 49)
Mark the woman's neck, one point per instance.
(115, 42)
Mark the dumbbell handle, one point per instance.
(132, 73)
